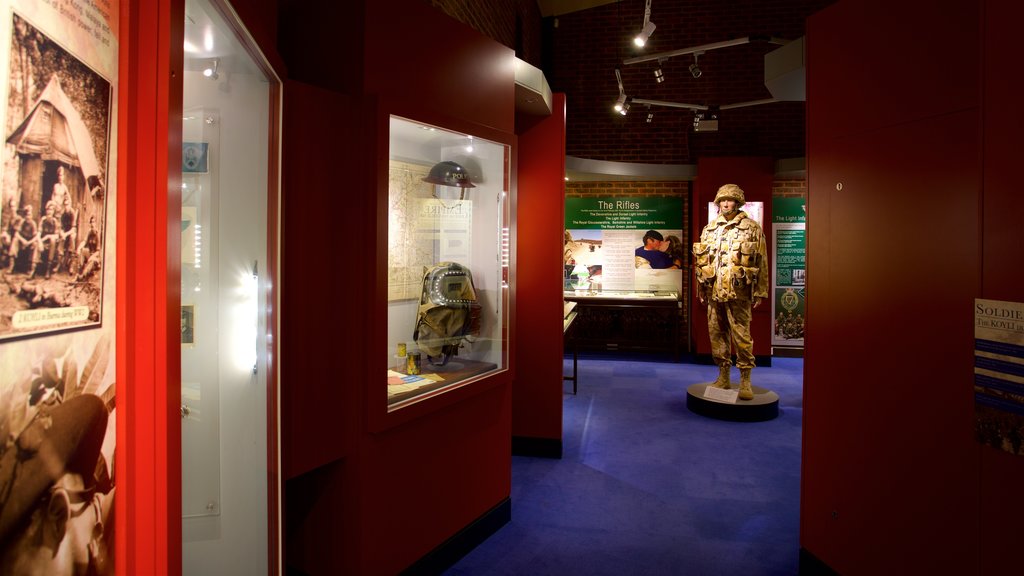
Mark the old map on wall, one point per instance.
(422, 229)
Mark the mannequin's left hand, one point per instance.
(757, 302)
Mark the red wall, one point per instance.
(321, 128)
(148, 506)
(367, 491)
(756, 177)
(909, 182)
(148, 461)
(540, 217)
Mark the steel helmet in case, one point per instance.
(448, 173)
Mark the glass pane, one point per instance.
(200, 380)
(447, 260)
(225, 155)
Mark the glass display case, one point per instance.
(448, 258)
(593, 294)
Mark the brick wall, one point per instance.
(580, 51)
(585, 48)
(789, 189)
(514, 23)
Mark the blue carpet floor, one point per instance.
(646, 487)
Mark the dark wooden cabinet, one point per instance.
(621, 320)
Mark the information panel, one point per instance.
(624, 243)
(789, 276)
(999, 374)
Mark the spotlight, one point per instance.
(625, 108)
(211, 70)
(650, 116)
(645, 34)
(659, 75)
(694, 70)
(620, 102)
(648, 28)
(705, 122)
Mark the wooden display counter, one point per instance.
(626, 320)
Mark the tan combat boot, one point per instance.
(746, 392)
(723, 377)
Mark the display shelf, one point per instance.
(621, 295)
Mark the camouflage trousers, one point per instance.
(729, 324)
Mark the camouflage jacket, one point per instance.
(731, 260)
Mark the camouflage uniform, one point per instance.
(731, 264)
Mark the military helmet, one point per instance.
(730, 192)
(448, 173)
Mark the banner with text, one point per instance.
(999, 374)
(789, 276)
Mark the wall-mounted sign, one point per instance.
(789, 274)
(625, 243)
(999, 374)
(58, 81)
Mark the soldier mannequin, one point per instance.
(731, 263)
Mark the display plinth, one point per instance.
(764, 406)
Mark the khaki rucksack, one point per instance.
(448, 311)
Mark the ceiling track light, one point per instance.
(694, 69)
(659, 75)
(645, 34)
(622, 93)
(648, 28)
(625, 108)
(669, 104)
(703, 48)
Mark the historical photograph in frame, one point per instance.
(195, 157)
(53, 196)
(188, 325)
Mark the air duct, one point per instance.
(784, 72)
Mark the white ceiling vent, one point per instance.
(533, 95)
(784, 71)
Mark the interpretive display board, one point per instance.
(999, 374)
(58, 79)
(789, 276)
(624, 243)
(448, 258)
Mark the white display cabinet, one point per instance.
(448, 260)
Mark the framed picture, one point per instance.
(53, 203)
(188, 325)
(195, 157)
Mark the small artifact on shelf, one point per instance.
(401, 358)
(414, 364)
